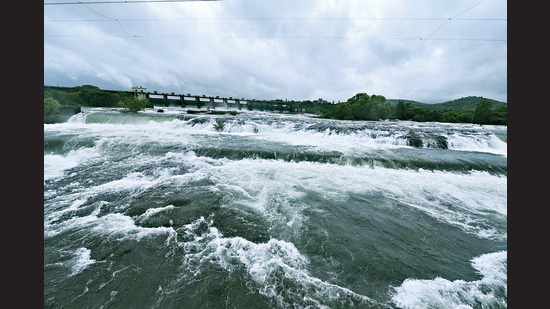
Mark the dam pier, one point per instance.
(210, 102)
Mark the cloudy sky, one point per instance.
(429, 51)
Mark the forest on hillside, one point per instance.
(61, 102)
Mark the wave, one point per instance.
(489, 292)
(466, 137)
(274, 269)
(290, 138)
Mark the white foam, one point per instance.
(483, 143)
(115, 224)
(56, 165)
(125, 228)
(442, 293)
(469, 201)
(265, 263)
(493, 267)
(152, 211)
(274, 188)
(81, 260)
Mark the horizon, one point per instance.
(240, 98)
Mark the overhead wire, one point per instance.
(121, 2)
(114, 19)
(429, 37)
(446, 21)
(284, 18)
(275, 37)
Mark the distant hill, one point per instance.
(465, 103)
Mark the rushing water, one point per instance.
(265, 210)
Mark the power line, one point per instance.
(278, 37)
(110, 19)
(284, 18)
(114, 19)
(120, 2)
(429, 36)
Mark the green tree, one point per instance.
(482, 113)
(382, 108)
(499, 115)
(401, 110)
(50, 105)
(93, 96)
(361, 106)
(133, 105)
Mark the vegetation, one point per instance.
(85, 96)
(133, 104)
(361, 106)
(219, 125)
(51, 105)
(60, 103)
(466, 110)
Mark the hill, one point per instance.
(462, 104)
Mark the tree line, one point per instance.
(376, 107)
(62, 102)
(361, 106)
(83, 96)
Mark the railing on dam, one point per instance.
(196, 101)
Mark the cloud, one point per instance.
(425, 50)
